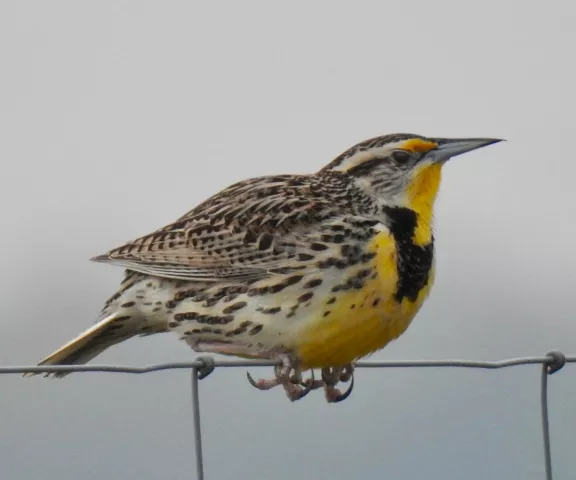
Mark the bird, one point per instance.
(309, 271)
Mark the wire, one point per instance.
(203, 366)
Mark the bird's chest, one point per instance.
(370, 305)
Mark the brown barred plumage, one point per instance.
(315, 271)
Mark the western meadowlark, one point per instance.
(311, 271)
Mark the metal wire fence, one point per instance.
(203, 366)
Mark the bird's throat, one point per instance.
(421, 194)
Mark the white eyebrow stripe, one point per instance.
(364, 155)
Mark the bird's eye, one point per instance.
(401, 156)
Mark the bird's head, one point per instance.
(402, 169)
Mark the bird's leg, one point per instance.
(347, 373)
(331, 377)
(296, 377)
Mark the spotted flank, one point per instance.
(313, 271)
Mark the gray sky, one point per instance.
(117, 117)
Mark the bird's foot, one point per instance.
(331, 376)
(288, 375)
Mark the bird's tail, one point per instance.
(109, 331)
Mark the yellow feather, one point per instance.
(418, 145)
(360, 321)
(421, 194)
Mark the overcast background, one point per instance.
(117, 117)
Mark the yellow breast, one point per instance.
(360, 321)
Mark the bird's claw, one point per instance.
(331, 377)
(261, 384)
(333, 395)
(293, 386)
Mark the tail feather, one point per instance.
(88, 344)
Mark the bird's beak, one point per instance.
(451, 147)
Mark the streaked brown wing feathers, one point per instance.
(245, 231)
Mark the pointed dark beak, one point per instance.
(451, 147)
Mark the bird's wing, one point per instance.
(247, 231)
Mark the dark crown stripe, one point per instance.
(365, 167)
